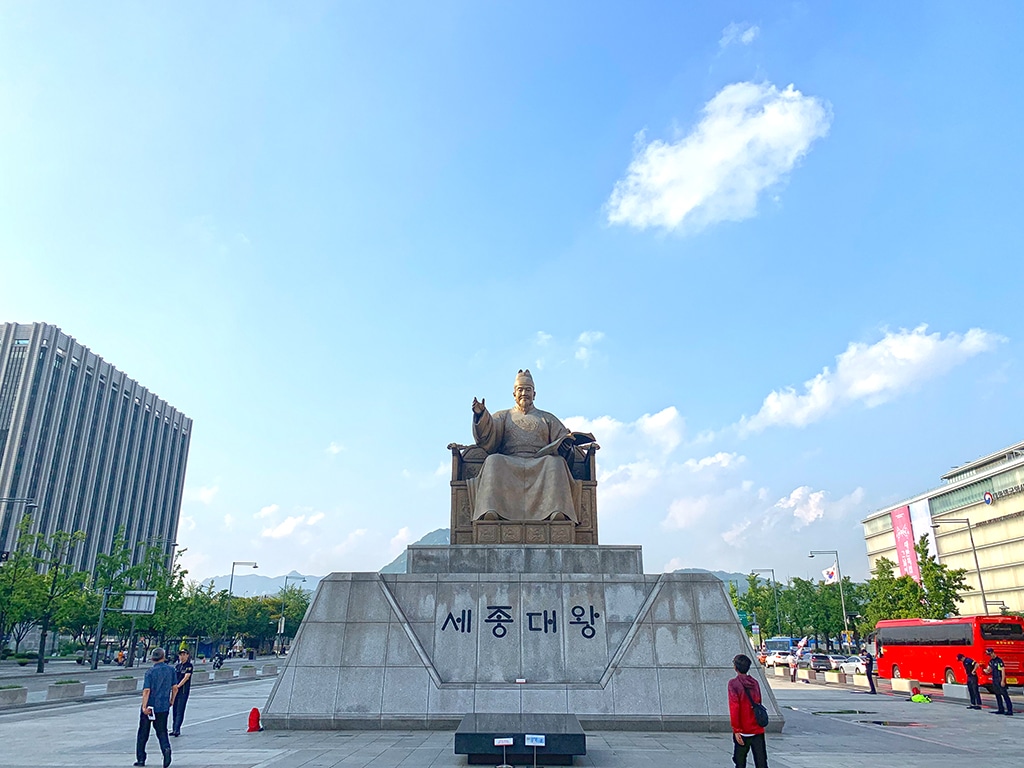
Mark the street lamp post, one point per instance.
(775, 590)
(977, 566)
(300, 579)
(839, 575)
(231, 581)
(231, 585)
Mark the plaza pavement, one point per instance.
(826, 727)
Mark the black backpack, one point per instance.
(760, 713)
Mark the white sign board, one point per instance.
(534, 740)
(139, 601)
(506, 741)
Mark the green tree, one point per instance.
(943, 586)
(78, 615)
(60, 579)
(890, 596)
(758, 601)
(16, 583)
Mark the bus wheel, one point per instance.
(895, 671)
(950, 676)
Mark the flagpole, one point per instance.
(842, 597)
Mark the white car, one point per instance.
(778, 658)
(853, 665)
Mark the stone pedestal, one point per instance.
(122, 685)
(13, 697)
(61, 691)
(575, 630)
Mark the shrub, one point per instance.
(9, 687)
(123, 677)
(67, 682)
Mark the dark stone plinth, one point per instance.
(563, 738)
(526, 558)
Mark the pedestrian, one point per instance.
(971, 668)
(869, 669)
(747, 733)
(157, 696)
(793, 661)
(184, 671)
(997, 670)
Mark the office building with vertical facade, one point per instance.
(84, 447)
(974, 520)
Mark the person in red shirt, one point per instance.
(747, 735)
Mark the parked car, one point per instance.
(836, 660)
(853, 665)
(819, 662)
(777, 658)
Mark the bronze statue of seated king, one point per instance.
(526, 480)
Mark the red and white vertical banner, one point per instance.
(906, 555)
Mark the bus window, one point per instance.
(1002, 631)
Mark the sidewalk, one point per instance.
(825, 728)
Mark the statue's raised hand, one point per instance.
(478, 406)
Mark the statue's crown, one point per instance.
(524, 377)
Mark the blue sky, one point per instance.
(768, 253)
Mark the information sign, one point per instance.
(505, 741)
(534, 740)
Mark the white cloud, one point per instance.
(266, 511)
(585, 345)
(229, 521)
(664, 428)
(750, 136)
(736, 530)
(284, 529)
(351, 541)
(400, 541)
(805, 504)
(673, 565)
(682, 513)
(871, 375)
(743, 33)
(188, 523)
(334, 448)
(720, 460)
(204, 494)
(542, 339)
(316, 518)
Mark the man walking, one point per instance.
(997, 670)
(747, 735)
(183, 669)
(971, 668)
(869, 668)
(157, 695)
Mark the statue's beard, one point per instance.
(524, 403)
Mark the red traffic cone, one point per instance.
(254, 721)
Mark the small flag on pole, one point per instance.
(831, 574)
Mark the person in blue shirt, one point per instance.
(158, 691)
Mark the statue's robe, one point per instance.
(514, 482)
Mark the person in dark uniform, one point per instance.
(971, 668)
(184, 671)
(997, 670)
(869, 669)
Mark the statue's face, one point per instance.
(524, 394)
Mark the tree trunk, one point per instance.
(42, 644)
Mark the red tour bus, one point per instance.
(926, 649)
